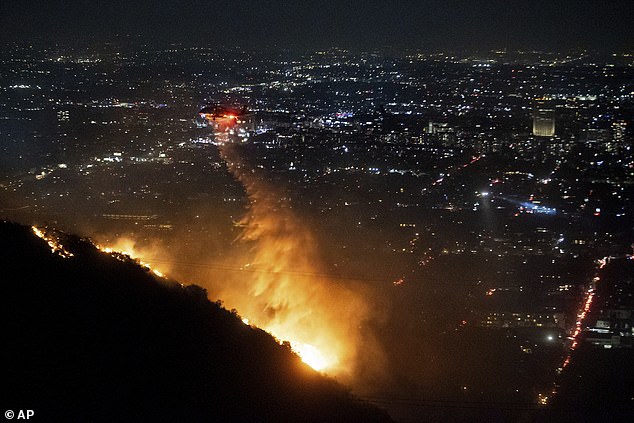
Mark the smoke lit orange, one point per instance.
(284, 292)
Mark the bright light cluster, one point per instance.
(584, 309)
(310, 355)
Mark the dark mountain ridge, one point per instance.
(98, 338)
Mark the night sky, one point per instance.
(483, 24)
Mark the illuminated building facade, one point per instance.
(543, 118)
(619, 129)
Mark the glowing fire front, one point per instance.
(53, 242)
(126, 248)
(282, 288)
(283, 291)
(310, 354)
(317, 357)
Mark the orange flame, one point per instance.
(283, 291)
(53, 242)
(130, 248)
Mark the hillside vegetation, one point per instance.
(93, 338)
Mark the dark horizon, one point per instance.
(454, 24)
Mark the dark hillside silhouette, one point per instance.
(94, 339)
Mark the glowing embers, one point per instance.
(310, 339)
(308, 353)
(315, 344)
(53, 242)
(318, 359)
(311, 351)
(130, 254)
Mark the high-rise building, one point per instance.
(619, 128)
(443, 132)
(543, 118)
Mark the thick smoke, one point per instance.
(282, 288)
(274, 278)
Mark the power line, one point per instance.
(319, 275)
(229, 268)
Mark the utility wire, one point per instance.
(330, 276)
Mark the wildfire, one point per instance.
(53, 242)
(318, 358)
(126, 248)
(291, 306)
(312, 356)
(284, 291)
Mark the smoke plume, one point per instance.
(283, 289)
